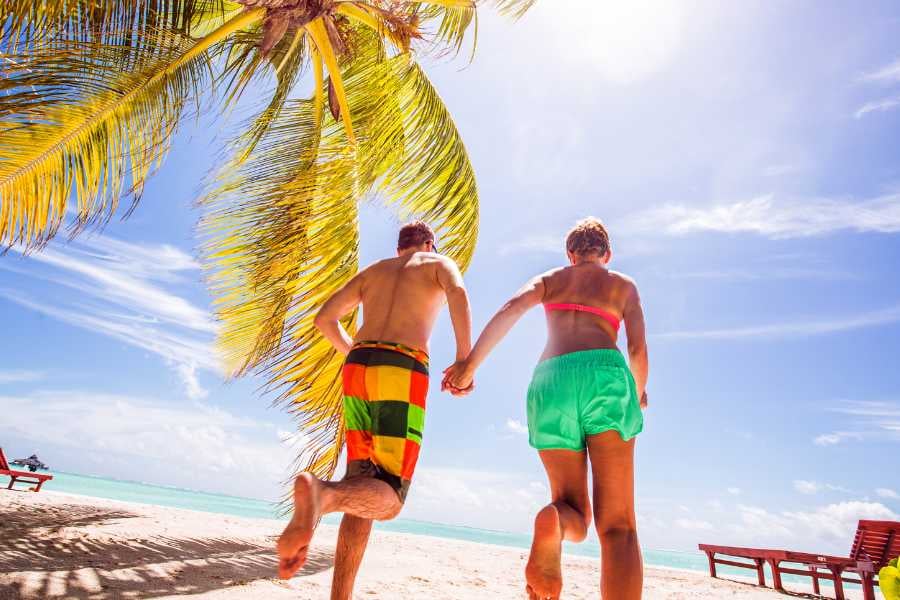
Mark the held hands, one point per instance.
(458, 379)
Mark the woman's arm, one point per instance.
(638, 359)
(460, 375)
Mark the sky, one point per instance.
(744, 159)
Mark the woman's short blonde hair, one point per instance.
(589, 236)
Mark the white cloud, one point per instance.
(889, 73)
(194, 444)
(791, 329)
(125, 280)
(132, 330)
(822, 529)
(192, 388)
(806, 487)
(887, 493)
(874, 420)
(814, 487)
(882, 105)
(125, 292)
(516, 426)
(20, 376)
(694, 524)
(734, 491)
(777, 220)
(834, 438)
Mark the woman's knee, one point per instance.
(616, 529)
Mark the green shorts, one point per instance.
(579, 394)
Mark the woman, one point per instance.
(583, 405)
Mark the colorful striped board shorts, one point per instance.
(385, 386)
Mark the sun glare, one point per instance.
(624, 41)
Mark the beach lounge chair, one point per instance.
(875, 543)
(23, 476)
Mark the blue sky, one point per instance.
(744, 159)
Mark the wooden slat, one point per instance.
(734, 563)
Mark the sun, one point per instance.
(625, 41)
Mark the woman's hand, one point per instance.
(644, 400)
(458, 378)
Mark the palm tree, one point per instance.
(92, 93)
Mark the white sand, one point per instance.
(56, 545)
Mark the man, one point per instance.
(385, 380)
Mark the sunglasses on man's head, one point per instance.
(434, 247)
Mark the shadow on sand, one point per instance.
(785, 592)
(64, 562)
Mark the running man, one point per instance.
(385, 380)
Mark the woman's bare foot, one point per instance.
(543, 572)
(293, 545)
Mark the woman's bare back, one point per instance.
(589, 284)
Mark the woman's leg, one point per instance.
(566, 518)
(612, 464)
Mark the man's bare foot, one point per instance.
(543, 572)
(293, 545)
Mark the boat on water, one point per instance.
(33, 463)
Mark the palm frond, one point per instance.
(114, 22)
(282, 236)
(514, 8)
(88, 126)
(282, 233)
(430, 175)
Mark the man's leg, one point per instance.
(566, 518)
(351, 545)
(362, 497)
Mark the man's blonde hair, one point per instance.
(589, 236)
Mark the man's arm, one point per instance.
(450, 279)
(638, 359)
(328, 319)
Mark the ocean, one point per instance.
(134, 491)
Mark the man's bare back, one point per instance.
(402, 296)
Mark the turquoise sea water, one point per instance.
(133, 491)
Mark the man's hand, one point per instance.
(458, 379)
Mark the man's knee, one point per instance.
(392, 511)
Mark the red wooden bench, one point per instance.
(23, 476)
(875, 543)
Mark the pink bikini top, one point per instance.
(603, 314)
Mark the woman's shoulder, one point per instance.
(625, 280)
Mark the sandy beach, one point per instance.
(55, 545)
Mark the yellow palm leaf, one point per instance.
(282, 227)
(78, 126)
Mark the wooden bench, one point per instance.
(875, 543)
